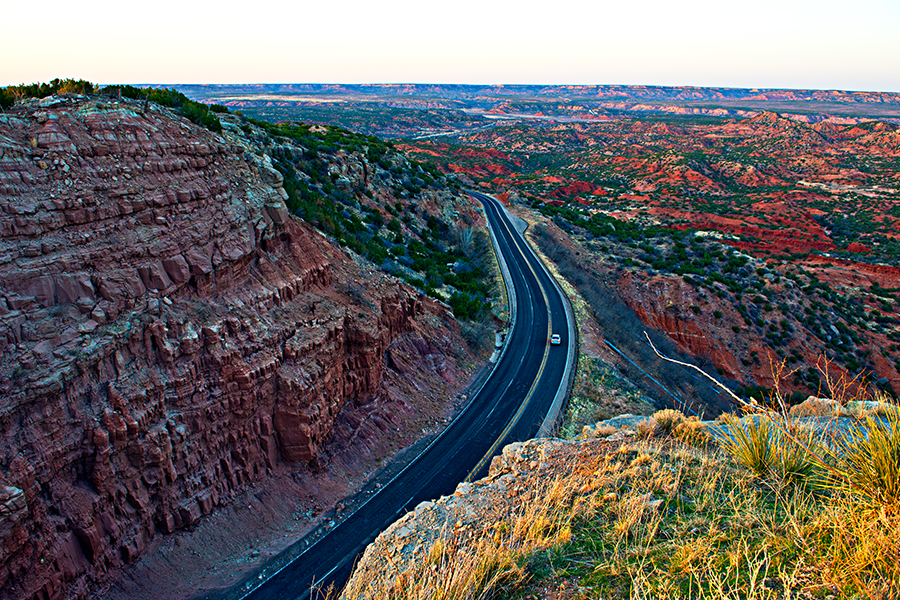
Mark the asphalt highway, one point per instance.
(511, 406)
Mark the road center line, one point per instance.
(490, 453)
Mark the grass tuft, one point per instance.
(667, 420)
(868, 461)
(749, 442)
(693, 432)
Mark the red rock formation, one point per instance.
(664, 303)
(169, 334)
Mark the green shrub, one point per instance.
(376, 218)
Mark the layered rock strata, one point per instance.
(170, 334)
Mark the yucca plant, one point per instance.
(771, 446)
(747, 442)
(868, 461)
(796, 455)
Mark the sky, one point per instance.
(821, 44)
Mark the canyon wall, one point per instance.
(170, 334)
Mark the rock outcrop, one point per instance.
(170, 334)
(476, 511)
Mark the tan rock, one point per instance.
(816, 407)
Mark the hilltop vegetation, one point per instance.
(662, 507)
(197, 112)
(10, 94)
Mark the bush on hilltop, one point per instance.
(11, 94)
(196, 112)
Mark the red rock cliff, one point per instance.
(169, 334)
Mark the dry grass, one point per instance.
(860, 550)
(689, 526)
(646, 429)
(719, 534)
(693, 432)
(493, 561)
(603, 431)
(667, 420)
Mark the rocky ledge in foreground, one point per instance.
(474, 513)
(641, 510)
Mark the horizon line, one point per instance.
(489, 85)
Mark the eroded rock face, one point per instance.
(169, 334)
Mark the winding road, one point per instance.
(520, 399)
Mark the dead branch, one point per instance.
(740, 401)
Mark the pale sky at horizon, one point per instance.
(824, 44)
